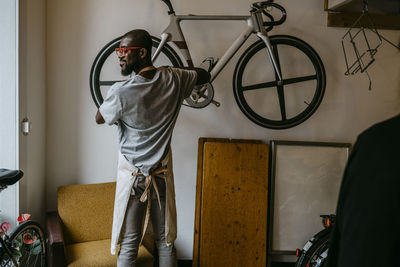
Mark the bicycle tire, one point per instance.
(313, 249)
(28, 254)
(305, 51)
(106, 52)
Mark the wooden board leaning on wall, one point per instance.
(231, 203)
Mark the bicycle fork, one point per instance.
(262, 34)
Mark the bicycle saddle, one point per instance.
(10, 177)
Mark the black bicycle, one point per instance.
(283, 62)
(26, 245)
(315, 251)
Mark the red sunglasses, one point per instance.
(121, 51)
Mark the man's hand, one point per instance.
(203, 76)
(99, 118)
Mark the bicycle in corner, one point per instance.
(279, 80)
(315, 251)
(25, 246)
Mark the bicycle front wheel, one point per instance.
(106, 71)
(27, 245)
(294, 99)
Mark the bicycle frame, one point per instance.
(258, 22)
(7, 250)
(173, 33)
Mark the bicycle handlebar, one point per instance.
(281, 20)
(270, 3)
(263, 3)
(171, 9)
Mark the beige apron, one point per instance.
(127, 174)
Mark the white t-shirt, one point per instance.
(146, 111)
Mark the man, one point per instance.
(145, 107)
(367, 229)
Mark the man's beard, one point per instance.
(128, 70)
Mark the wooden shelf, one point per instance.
(343, 13)
(347, 19)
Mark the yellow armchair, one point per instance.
(79, 233)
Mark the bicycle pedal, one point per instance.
(211, 61)
(215, 63)
(208, 59)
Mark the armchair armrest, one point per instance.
(56, 244)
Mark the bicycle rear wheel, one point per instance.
(28, 246)
(315, 251)
(295, 99)
(105, 70)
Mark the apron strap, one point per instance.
(146, 196)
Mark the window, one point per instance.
(9, 104)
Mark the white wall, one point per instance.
(32, 72)
(79, 151)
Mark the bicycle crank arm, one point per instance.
(216, 103)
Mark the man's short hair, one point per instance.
(140, 38)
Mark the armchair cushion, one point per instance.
(97, 253)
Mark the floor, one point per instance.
(282, 264)
(188, 263)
